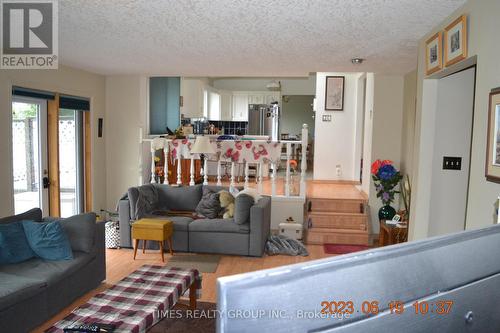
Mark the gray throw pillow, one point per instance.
(80, 230)
(209, 205)
(242, 205)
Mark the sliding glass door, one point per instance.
(29, 150)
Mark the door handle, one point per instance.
(46, 182)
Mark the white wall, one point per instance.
(289, 85)
(408, 135)
(63, 80)
(335, 141)
(483, 34)
(386, 132)
(126, 112)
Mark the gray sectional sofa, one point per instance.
(33, 291)
(222, 236)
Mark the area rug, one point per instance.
(343, 248)
(204, 263)
(182, 320)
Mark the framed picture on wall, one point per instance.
(434, 53)
(334, 93)
(492, 169)
(455, 41)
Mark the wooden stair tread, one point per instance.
(328, 213)
(339, 231)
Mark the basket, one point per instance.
(112, 234)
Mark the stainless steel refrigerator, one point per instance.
(264, 119)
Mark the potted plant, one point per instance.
(385, 177)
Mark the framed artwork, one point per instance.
(434, 53)
(492, 169)
(455, 41)
(334, 93)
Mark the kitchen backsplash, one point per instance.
(231, 127)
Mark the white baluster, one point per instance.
(259, 185)
(165, 167)
(303, 163)
(205, 171)
(152, 163)
(179, 169)
(232, 174)
(219, 183)
(191, 172)
(273, 180)
(246, 174)
(287, 179)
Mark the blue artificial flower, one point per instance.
(386, 172)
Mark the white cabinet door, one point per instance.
(226, 105)
(192, 98)
(240, 107)
(258, 98)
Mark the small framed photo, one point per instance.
(455, 41)
(334, 93)
(492, 168)
(434, 53)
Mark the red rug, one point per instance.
(343, 248)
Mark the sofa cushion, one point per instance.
(179, 198)
(180, 222)
(209, 205)
(48, 271)
(218, 225)
(15, 289)
(80, 230)
(48, 240)
(34, 214)
(242, 205)
(14, 246)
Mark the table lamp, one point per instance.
(203, 147)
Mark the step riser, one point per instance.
(336, 206)
(319, 238)
(338, 222)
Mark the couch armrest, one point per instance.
(100, 248)
(260, 226)
(124, 220)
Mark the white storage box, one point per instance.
(291, 230)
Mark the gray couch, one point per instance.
(33, 291)
(222, 236)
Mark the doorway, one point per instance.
(29, 148)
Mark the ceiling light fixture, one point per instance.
(357, 61)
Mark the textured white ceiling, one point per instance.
(245, 37)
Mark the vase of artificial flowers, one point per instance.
(385, 177)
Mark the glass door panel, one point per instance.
(29, 149)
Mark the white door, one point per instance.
(29, 149)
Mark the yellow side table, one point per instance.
(154, 230)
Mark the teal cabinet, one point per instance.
(164, 108)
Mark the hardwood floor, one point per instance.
(120, 263)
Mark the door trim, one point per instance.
(53, 156)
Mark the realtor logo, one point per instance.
(29, 36)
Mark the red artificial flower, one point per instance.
(386, 162)
(375, 166)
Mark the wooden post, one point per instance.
(303, 163)
(179, 169)
(219, 183)
(287, 179)
(191, 172)
(53, 156)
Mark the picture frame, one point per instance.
(455, 41)
(334, 93)
(492, 167)
(434, 53)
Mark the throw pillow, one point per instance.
(48, 240)
(209, 205)
(251, 192)
(227, 203)
(14, 246)
(80, 230)
(242, 205)
(34, 214)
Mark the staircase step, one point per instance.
(331, 220)
(336, 205)
(338, 236)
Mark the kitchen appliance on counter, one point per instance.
(264, 119)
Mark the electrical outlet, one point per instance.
(327, 117)
(338, 169)
(452, 163)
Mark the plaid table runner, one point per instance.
(134, 304)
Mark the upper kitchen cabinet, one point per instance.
(240, 106)
(226, 105)
(192, 91)
(164, 96)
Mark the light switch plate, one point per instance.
(327, 117)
